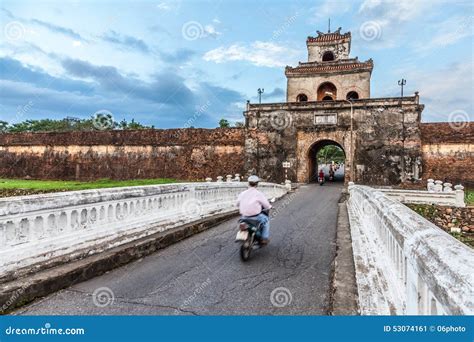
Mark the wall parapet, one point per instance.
(36, 229)
(404, 263)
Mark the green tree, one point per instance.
(3, 126)
(224, 123)
(239, 124)
(330, 153)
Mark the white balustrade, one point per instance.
(34, 229)
(447, 197)
(404, 263)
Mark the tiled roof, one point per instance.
(330, 67)
(329, 37)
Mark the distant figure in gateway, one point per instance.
(321, 177)
(253, 204)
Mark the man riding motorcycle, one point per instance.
(251, 203)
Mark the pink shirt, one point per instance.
(251, 202)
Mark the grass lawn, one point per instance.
(470, 197)
(52, 185)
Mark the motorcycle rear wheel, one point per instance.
(245, 251)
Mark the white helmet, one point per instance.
(253, 179)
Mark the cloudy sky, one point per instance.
(190, 63)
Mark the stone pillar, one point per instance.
(219, 179)
(208, 180)
(229, 178)
(438, 186)
(459, 196)
(237, 177)
(447, 187)
(430, 185)
(288, 184)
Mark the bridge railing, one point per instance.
(404, 263)
(35, 229)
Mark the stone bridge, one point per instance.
(151, 250)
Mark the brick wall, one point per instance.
(191, 154)
(448, 151)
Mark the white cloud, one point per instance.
(211, 31)
(258, 53)
(448, 32)
(445, 90)
(387, 20)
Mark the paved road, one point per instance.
(204, 275)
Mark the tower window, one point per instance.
(352, 95)
(327, 92)
(302, 98)
(328, 56)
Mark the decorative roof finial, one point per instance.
(329, 25)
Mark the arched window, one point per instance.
(328, 56)
(302, 98)
(352, 95)
(327, 92)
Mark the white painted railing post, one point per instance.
(459, 189)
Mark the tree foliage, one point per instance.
(66, 125)
(224, 123)
(330, 153)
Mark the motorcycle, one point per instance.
(250, 235)
(321, 180)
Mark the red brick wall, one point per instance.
(448, 151)
(190, 154)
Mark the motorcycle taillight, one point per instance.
(243, 226)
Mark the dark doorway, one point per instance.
(327, 92)
(328, 56)
(302, 98)
(352, 95)
(328, 156)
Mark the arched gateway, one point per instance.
(325, 155)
